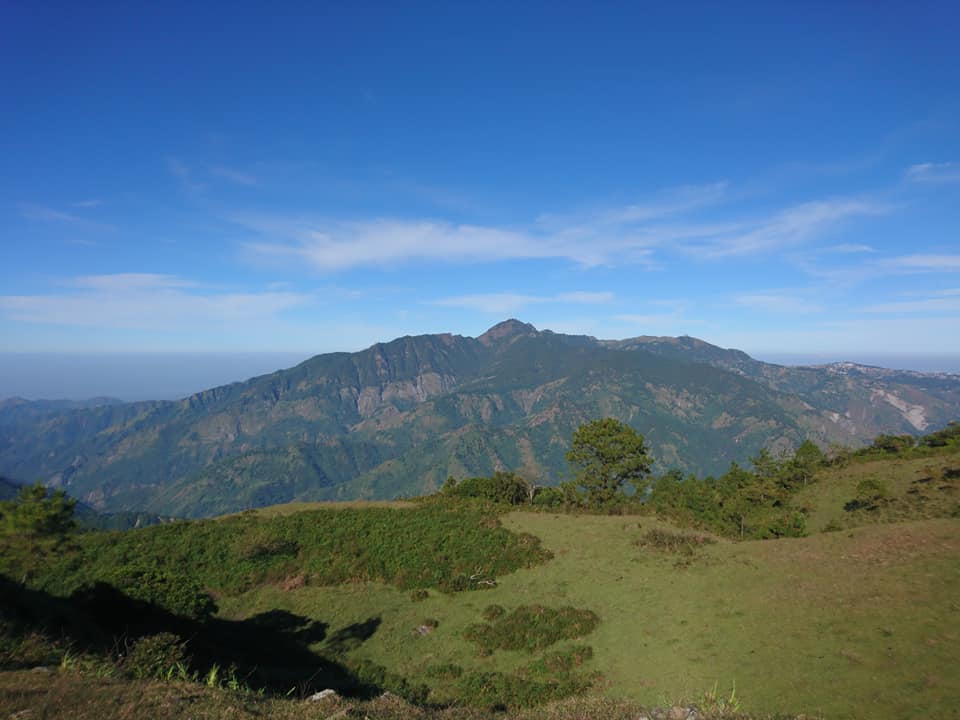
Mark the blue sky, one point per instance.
(309, 177)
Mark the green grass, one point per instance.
(855, 626)
(861, 622)
(913, 498)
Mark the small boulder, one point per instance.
(323, 695)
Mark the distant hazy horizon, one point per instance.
(158, 376)
(170, 376)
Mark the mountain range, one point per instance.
(399, 417)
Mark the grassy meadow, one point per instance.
(854, 624)
(859, 619)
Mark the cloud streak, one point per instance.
(945, 172)
(506, 303)
(778, 302)
(143, 301)
(42, 213)
(640, 234)
(234, 176)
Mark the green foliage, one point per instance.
(506, 488)
(872, 493)
(741, 503)
(549, 497)
(376, 675)
(950, 435)
(608, 454)
(500, 691)
(444, 671)
(561, 662)
(171, 588)
(531, 627)
(715, 703)
(37, 512)
(674, 542)
(155, 657)
(893, 444)
(493, 612)
(449, 548)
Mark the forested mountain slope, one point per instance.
(398, 417)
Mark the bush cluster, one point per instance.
(156, 657)
(673, 542)
(742, 503)
(505, 488)
(561, 662)
(502, 691)
(531, 628)
(450, 548)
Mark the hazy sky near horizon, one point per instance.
(310, 177)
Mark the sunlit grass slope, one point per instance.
(859, 619)
(860, 623)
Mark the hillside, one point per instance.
(489, 607)
(398, 418)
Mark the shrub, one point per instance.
(493, 612)
(893, 444)
(449, 548)
(156, 657)
(673, 542)
(871, 494)
(531, 628)
(561, 662)
(950, 435)
(501, 691)
(178, 593)
(549, 497)
(378, 678)
(502, 487)
(444, 671)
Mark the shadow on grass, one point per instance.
(269, 651)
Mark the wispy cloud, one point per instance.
(922, 263)
(129, 282)
(787, 228)
(87, 203)
(184, 174)
(506, 303)
(778, 302)
(634, 234)
(46, 214)
(945, 172)
(234, 176)
(848, 249)
(145, 301)
(42, 213)
(664, 204)
(333, 246)
(932, 304)
(936, 301)
(583, 297)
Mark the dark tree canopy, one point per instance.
(608, 454)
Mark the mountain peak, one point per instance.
(506, 330)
